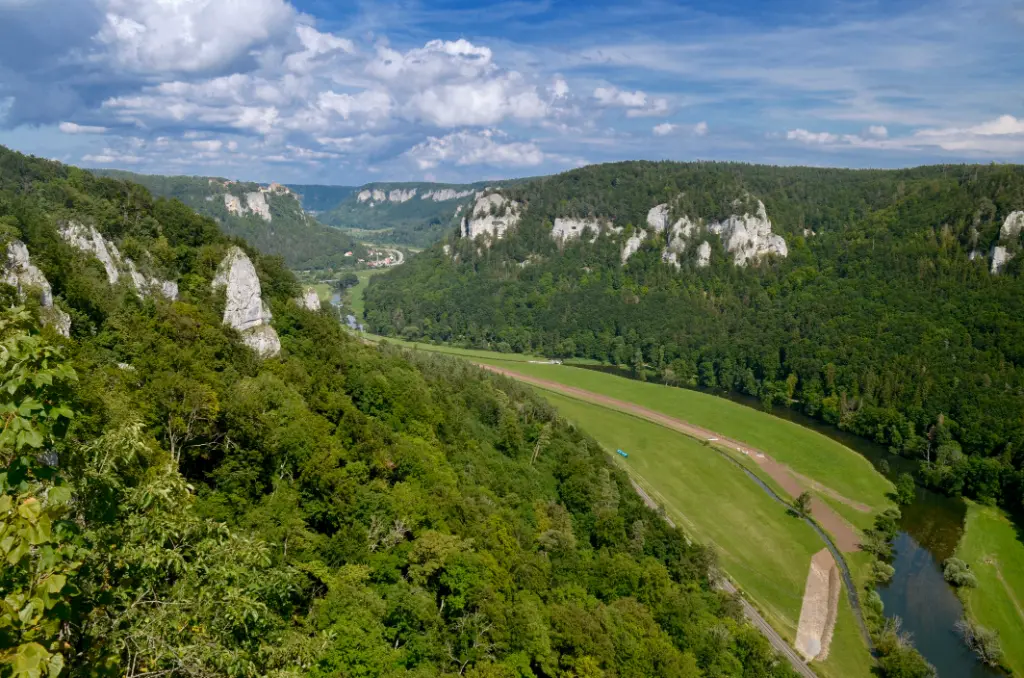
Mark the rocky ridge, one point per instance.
(87, 239)
(492, 214)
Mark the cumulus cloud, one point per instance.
(664, 129)
(806, 137)
(701, 128)
(73, 128)
(1003, 136)
(475, 148)
(188, 35)
(637, 103)
(560, 88)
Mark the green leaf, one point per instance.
(29, 660)
(57, 496)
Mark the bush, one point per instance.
(984, 642)
(958, 573)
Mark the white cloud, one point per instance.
(478, 103)
(657, 107)
(664, 129)
(701, 128)
(188, 35)
(805, 137)
(637, 103)
(209, 145)
(371, 104)
(110, 156)
(73, 128)
(475, 148)
(560, 88)
(878, 131)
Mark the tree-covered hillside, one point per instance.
(170, 505)
(317, 198)
(275, 223)
(884, 316)
(412, 214)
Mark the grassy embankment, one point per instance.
(993, 547)
(765, 550)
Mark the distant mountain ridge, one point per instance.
(270, 217)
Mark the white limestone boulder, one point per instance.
(87, 239)
(633, 244)
(567, 228)
(245, 309)
(1012, 226)
(1000, 257)
(20, 273)
(704, 254)
(233, 204)
(399, 196)
(258, 205)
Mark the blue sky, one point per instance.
(321, 91)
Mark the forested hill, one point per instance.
(415, 214)
(888, 302)
(271, 218)
(172, 505)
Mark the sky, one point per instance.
(329, 92)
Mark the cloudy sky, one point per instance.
(328, 91)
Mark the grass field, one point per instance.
(323, 290)
(353, 301)
(993, 548)
(763, 548)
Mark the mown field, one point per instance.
(992, 546)
(763, 548)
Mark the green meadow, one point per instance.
(763, 548)
(992, 546)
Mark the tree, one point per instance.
(802, 504)
(905, 489)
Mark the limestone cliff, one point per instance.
(567, 228)
(87, 239)
(20, 273)
(492, 214)
(1009, 233)
(309, 300)
(749, 237)
(245, 309)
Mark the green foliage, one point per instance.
(880, 322)
(340, 510)
(905, 489)
(984, 642)
(958, 573)
(802, 504)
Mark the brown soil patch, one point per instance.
(844, 534)
(820, 607)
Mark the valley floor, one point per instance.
(992, 546)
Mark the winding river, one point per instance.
(929, 532)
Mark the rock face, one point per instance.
(568, 228)
(233, 204)
(749, 237)
(1013, 225)
(704, 254)
(400, 196)
(376, 195)
(258, 205)
(245, 310)
(19, 272)
(87, 239)
(309, 300)
(633, 244)
(492, 214)
(1000, 257)
(443, 194)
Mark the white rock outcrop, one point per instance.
(567, 228)
(704, 254)
(749, 237)
(1000, 257)
(257, 203)
(245, 310)
(492, 214)
(443, 194)
(20, 273)
(1012, 226)
(233, 204)
(87, 239)
(633, 244)
(309, 300)
(400, 196)
(657, 217)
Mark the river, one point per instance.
(930, 529)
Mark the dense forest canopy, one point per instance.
(884, 318)
(283, 230)
(170, 505)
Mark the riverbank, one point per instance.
(992, 546)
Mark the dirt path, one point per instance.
(844, 535)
